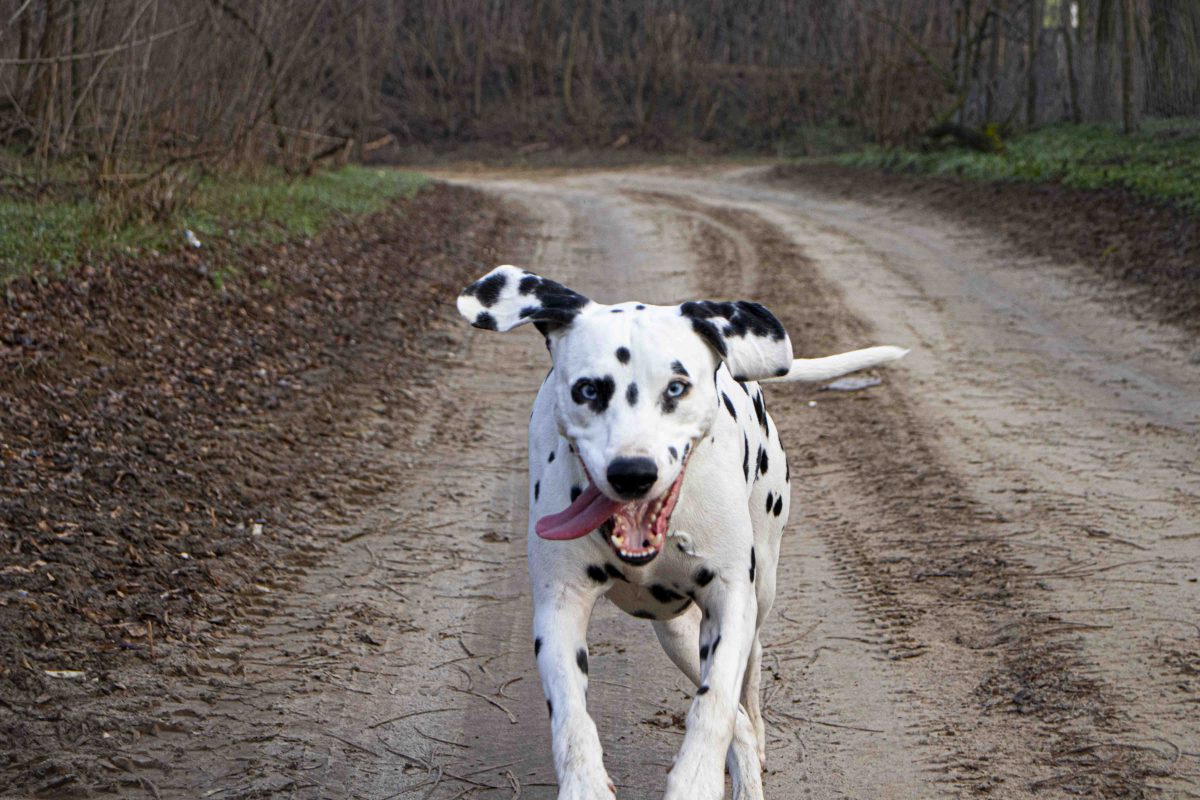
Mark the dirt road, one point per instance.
(989, 584)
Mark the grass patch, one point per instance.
(232, 210)
(1161, 163)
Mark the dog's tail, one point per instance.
(823, 369)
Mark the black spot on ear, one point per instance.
(679, 369)
(537, 646)
(752, 563)
(762, 460)
(641, 613)
(729, 405)
(778, 505)
(615, 573)
(623, 355)
(709, 333)
(704, 576)
(703, 689)
(631, 394)
(674, 453)
(575, 492)
(485, 320)
(746, 456)
(488, 290)
(597, 574)
(664, 595)
(537, 490)
(551, 459)
(703, 652)
(581, 660)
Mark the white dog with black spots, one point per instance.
(657, 478)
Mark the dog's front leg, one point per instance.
(726, 636)
(560, 620)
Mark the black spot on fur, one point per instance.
(787, 471)
(753, 561)
(779, 373)
(763, 462)
(703, 689)
(575, 492)
(770, 501)
(549, 707)
(745, 388)
(528, 311)
(714, 647)
(488, 290)
(640, 307)
(703, 652)
(604, 391)
(560, 305)
(641, 613)
(664, 595)
(746, 456)
(631, 394)
(778, 505)
(760, 410)
(709, 333)
(623, 355)
(537, 489)
(537, 646)
(704, 576)
(674, 453)
(617, 311)
(729, 405)
(679, 369)
(551, 460)
(485, 320)
(683, 607)
(615, 573)
(581, 660)
(597, 574)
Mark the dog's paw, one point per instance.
(587, 785)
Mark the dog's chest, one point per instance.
(661, 590)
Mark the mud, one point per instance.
(989, 585)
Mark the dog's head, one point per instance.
(635, 390)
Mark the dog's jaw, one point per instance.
(638, 531)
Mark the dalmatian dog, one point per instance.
(656, 477)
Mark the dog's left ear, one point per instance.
(747, 337)
(509, 296)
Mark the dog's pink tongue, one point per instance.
(588, 512)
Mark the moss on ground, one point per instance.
(58, 232)
(1161, 163)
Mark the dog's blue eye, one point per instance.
(585, 391)
(676, 388)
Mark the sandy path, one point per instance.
(989, 583)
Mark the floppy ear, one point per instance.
(747, 337)
(509, 296)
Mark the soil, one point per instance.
(989, 585)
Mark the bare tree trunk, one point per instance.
(1031, 87)
(1069, 44)
(1128, 42)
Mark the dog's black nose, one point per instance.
(632, 477)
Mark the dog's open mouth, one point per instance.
(635, 531)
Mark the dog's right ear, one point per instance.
(509, 296)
